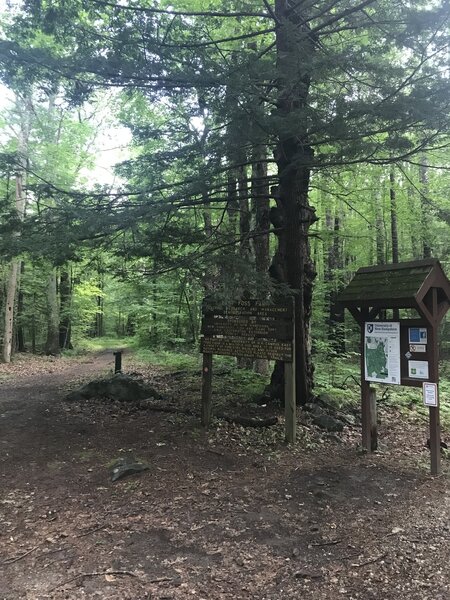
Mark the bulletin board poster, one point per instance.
(382, 352)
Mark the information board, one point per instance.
(382, 352)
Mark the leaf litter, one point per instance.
(229, 513)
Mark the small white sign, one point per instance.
(430, 394)
(418, 369)
(417, 348)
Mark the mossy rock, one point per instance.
(120, 387)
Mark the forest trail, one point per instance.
(216, 515)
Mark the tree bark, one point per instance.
(261, 210)
(52, 341)
(15, 267)
(20, 315)
(65, 300)
(379, 220)
(334, 266)
(244, 239)
(292, 264)
(10, 302)
(424, 193)
(394, 221)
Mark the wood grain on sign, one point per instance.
(249, 347)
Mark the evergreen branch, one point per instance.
(342, 15)
(244, 36)
(178, 13)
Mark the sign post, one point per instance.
(252, 329)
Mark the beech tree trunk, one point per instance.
(292, 263)
(10, 302)
(15, 267)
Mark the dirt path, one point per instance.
(212, 518)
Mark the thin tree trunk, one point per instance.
(52, 342)
(20, 315)
(333, 267)
(210, 274)
(244, 239)
(394, 222)
(379, 220)
(394, 227)
(425, 191)
(65, 299)
(261, 210)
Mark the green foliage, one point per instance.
(84, 307)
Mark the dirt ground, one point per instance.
(232, 513)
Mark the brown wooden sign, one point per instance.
(250, 329)
(247, 327)
(248, 347)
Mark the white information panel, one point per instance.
(430, 394)
(382, 352)
(418, 369)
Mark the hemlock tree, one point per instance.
(320, 85)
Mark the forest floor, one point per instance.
(228, 514)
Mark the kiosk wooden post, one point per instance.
(423, 288)
(365, 404)
(435, 425)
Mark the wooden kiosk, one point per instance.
(399, 308)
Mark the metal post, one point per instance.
(118, 361)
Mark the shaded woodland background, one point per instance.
(263, 149)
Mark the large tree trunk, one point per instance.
(292, 263)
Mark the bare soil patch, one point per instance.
(232, 513)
